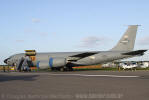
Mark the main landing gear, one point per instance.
(63, 69)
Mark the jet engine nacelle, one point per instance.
(43, 64)
(52, 62)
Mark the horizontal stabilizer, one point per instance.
(138, 52)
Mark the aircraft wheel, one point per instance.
(62, 69)
(70, 69)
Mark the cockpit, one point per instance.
(8, 60)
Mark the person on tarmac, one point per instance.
(25, 65)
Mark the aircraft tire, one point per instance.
(62, 69)
(69, 68)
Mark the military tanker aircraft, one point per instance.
(66, 60)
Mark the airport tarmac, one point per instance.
(96, 85)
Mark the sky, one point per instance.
(70, 25)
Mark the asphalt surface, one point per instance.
(90, 85)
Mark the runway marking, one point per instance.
(88, 75)
(82, 75)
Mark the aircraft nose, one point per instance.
(5, 61)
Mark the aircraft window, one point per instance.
(10, 57)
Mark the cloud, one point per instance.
(19, 41)
(91, 41)
(35, 20)
(144, 41)
(43, 34)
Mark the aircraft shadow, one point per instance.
(4, 78)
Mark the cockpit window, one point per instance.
(11, 56)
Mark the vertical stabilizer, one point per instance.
(126, 43)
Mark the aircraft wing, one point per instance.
(80, 56)
(138, 52)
